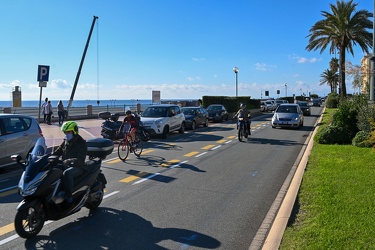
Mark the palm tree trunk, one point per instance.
(342, 71)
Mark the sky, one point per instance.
(185, 49)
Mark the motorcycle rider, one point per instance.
(245, 114)
(73, 153)
(132, 120)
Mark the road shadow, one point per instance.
(257, 140)
(107, 228)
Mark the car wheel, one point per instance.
(193, 125)
(182, 128)
(165, 132)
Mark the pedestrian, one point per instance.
(44, 110)
(60, 112)
(49, 112)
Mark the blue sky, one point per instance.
(184, 48)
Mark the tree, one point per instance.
(330, 78)
(353, 73)
(342, 29)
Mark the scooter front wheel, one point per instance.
(29, 221)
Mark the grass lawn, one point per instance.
(335, 207)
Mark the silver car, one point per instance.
(18, 135)
(288, 116)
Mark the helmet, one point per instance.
(70, 126)
(242, 106)
(128, 112)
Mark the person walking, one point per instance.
(60, 112)
(44, 110)
(49, 112)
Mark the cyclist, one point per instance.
(245, 114)
(132, 120)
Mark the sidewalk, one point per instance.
(89, 128)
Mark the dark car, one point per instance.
(217, 113)
(316, 102)
(18, 135)
(195, 116)
(305, 108)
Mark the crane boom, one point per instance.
(80, 65)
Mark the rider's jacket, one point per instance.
(74, 150)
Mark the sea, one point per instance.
(84, 103)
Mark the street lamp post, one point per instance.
(286, 89)
(235, 69)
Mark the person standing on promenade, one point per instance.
(60, 112)
(44, 110)
(49, 112)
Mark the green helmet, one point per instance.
(70, 126)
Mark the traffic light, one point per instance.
(278, 92)
(267, 93)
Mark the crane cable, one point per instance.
(97, 62)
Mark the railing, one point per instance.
(75, 113)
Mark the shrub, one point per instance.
(333, 135)
(332, 100)
(362, 139)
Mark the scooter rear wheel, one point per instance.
(29, 221)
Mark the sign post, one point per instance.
(42, 78)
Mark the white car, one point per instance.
(163, 119)
(288, 116)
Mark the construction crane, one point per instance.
(80, 65)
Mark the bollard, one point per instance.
(89, 110)
(7, 110)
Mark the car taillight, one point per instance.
(40, 131)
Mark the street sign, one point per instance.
(43, 73)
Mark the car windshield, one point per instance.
(155, 112)
(214, 108)
(303, 104)
(287, 109)
(188, 111)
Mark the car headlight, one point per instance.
(158, 122)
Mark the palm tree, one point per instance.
(342, 29)
(329, 77)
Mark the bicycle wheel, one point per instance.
(138, 147)
(123, 149)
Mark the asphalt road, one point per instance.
(199, 190)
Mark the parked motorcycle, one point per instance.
(111, 126)
(41, 183)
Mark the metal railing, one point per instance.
(75, 113)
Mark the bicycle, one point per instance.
(126, 145)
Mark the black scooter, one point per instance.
(111, 127)
(41, 183)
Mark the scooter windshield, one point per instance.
(36, 159)
(39, 150)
